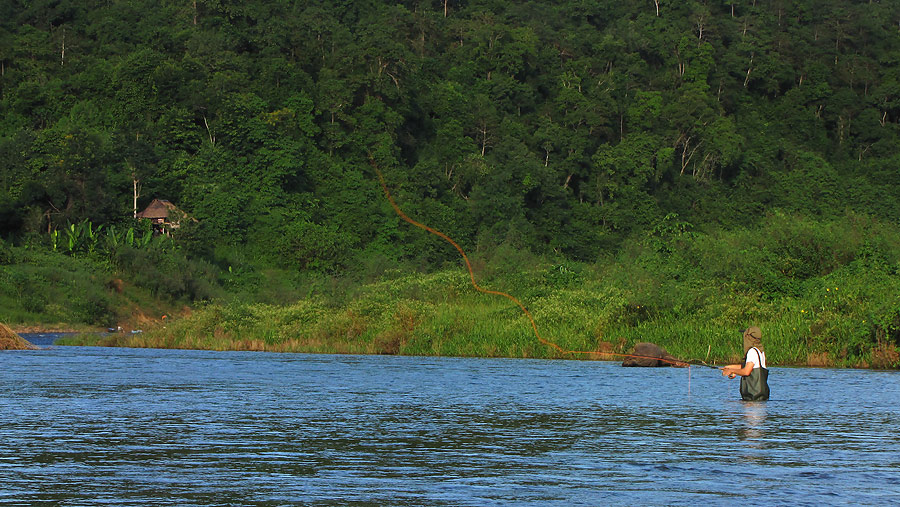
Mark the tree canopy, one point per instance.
(559, 126)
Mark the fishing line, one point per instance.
(534, 327)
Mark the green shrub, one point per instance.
(168, 274)
(6, 253)
(95, 308)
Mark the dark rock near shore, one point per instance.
(650, 355)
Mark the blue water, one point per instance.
(92, 426)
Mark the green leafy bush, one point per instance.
(168, 274)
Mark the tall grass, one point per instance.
(823, 294)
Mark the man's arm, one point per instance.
(733, 369)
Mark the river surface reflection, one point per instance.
(90, 426)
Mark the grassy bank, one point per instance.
(42, 289)
(9, 340)
(824, 295)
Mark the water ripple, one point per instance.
(90, 426)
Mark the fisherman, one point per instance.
(754, 374)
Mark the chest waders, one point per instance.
(755, 387)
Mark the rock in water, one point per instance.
(9, 340)
(648, 355)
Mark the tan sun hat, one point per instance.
(752, 338)
(753, 331)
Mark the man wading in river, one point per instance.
(754, 374)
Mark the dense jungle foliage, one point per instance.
(537, 134)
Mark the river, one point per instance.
(113, 426)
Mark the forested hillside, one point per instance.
(563, 126)
(632, 170)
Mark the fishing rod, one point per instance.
(700, 363)
(697, 362)
(537, 334)
(673, 361)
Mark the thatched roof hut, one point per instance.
(163, 215)
(158, 209)
(9, 340)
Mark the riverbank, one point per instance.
(824, 294)
(58, 328)
(10, 340)
(590, 315)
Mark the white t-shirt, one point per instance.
(757, 357)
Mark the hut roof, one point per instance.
(158, 208)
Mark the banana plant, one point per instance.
(73, 238)
(146, 234)
(84, 237)
(114, 239)
(162, 242)
(91, 235)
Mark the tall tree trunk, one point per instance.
(136, 190)
(212, 138)
(749, 68)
